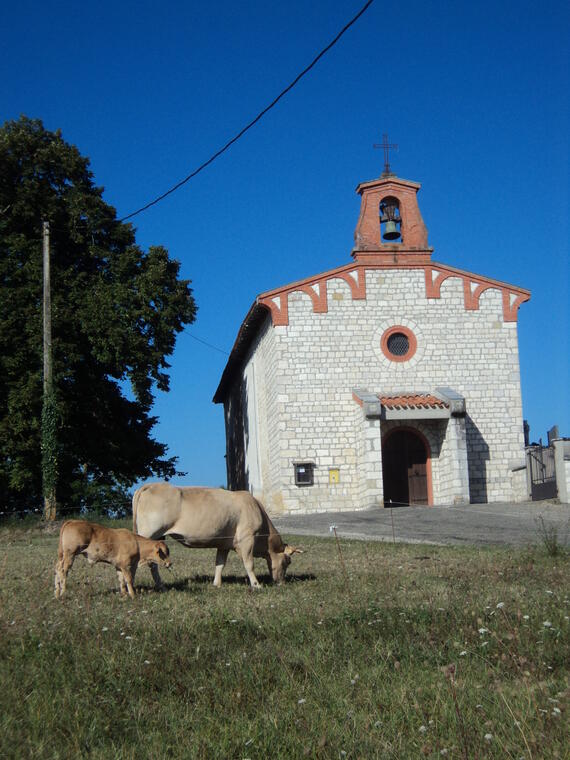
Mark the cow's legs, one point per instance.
(246, 553)
(221, 557)
(158, 584)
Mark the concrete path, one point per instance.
(506, 524)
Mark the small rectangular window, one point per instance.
(304, 474)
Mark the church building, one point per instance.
(393, 379)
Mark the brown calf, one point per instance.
(115, 546)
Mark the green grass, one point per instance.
(328, 665)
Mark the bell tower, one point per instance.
(390, 227)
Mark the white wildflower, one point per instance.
(301, 701)
(104, 628)
(482, 631)
(422, 729)
(500, 605)
(488, 737)
(526, 617)
(146, 662)
(556, 711)
(463, 653)
(547, 624)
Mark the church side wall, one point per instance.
(311, 366)
(246, 411)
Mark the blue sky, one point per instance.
(476, 96)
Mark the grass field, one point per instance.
(387, 651)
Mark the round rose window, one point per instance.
(398, 343)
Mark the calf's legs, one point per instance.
(126, 576)
(63, 566)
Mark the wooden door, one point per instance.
(404, 469)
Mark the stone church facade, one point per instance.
(391, 380)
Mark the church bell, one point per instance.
(391, 231)
(390, 216)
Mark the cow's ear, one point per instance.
(289, 550)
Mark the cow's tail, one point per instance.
(136, 497)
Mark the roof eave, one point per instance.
(246, 334)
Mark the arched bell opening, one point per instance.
(406, 468)
(390, 220)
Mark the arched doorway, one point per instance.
(406, 467)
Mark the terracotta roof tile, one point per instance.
(413, 401)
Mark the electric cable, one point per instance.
(254, 121)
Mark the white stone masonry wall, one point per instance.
(309, 368)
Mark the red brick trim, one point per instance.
(433, 287)
(320, 302)
(279, 314)
(413, 343)
(358, 286)
(355, 277)
(472, 296)
(510, 311)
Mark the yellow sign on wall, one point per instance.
(334, 476)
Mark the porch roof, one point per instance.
(442, 403)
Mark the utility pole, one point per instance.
(49, 419)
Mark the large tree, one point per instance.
(116, 310)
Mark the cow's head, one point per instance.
(162, 554)
(280, 561)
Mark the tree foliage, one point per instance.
(116, 311)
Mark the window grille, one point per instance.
(398, 344)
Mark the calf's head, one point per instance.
(280, 561)
(161, 555)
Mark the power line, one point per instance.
(205, 343)
(255, 120)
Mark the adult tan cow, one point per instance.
(115, 546)
(212, 518)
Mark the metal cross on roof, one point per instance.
(387, 147)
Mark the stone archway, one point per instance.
(406, 468)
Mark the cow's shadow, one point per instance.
(203, 579)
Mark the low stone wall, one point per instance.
(562, 465)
